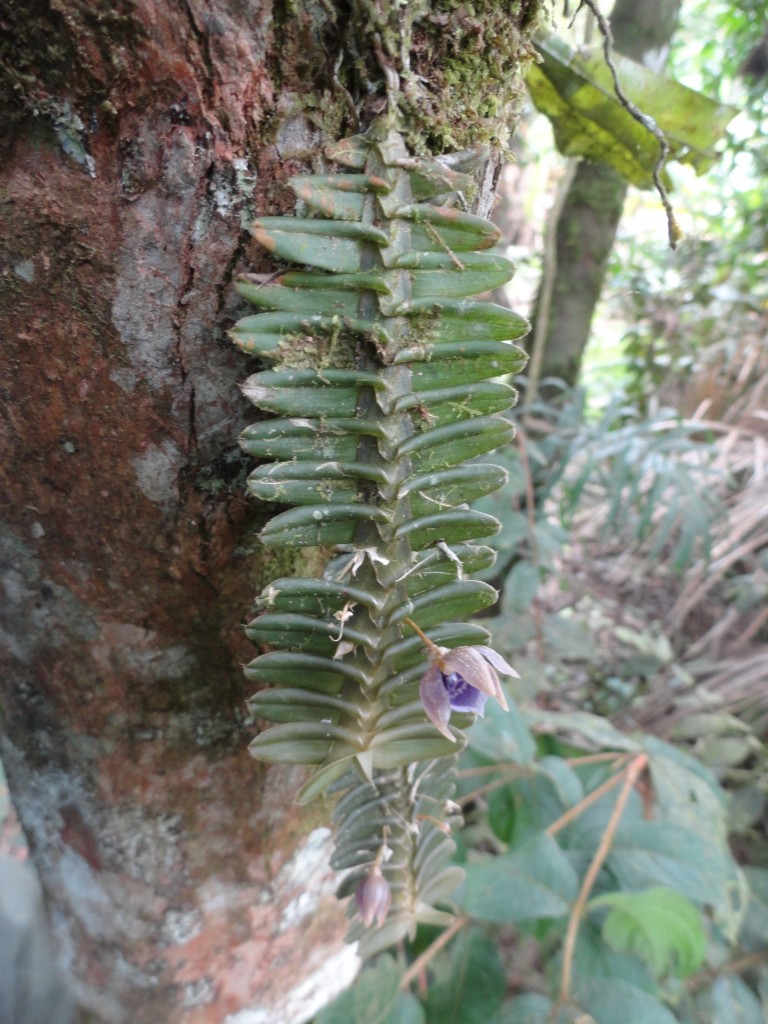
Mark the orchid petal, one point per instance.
(434, 697)
(499, 663)
(469, 664)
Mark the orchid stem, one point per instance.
(419, 632)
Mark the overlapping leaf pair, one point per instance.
(384, 385)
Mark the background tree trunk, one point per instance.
(590, 209)
(138, 139)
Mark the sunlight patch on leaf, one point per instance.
(660, 925)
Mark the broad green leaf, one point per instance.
(685, 790)
(469, 985)
(648, 853)
(582, 729)
(502, 735)
(659, 925)
(565, 780)
(569, 638)
(610, 1001)
(594, 959)
(374, 999)
(755, 928)
(545, 796)
(687, 793)
(533, 881)
(524, 579)
(732, 1001)
(533, 1008)
(575, 91)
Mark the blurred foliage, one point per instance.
(610, 813)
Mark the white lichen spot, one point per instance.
(302, 1003)
(157, 473)
(25, 270)
(179, 926)
(198, 992)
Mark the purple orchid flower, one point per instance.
(461, 679)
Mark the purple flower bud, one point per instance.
(373, 898)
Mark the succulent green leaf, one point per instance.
(336, 245)
(383, 385)
(436, 275)
(326, 302)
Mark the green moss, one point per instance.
(460, 65)
(473, 54)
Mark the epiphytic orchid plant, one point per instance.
(385, 388)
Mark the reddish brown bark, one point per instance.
(173, 863)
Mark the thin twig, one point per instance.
(582, 805)
(431, 951)
(609, 755)
(673, 229)
(631, 774)
(507, 768)
(522, 772)
(737, 966)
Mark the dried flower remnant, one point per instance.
(461, 679)
(373, 898)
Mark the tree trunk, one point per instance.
(138, 141)
(591, 208)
